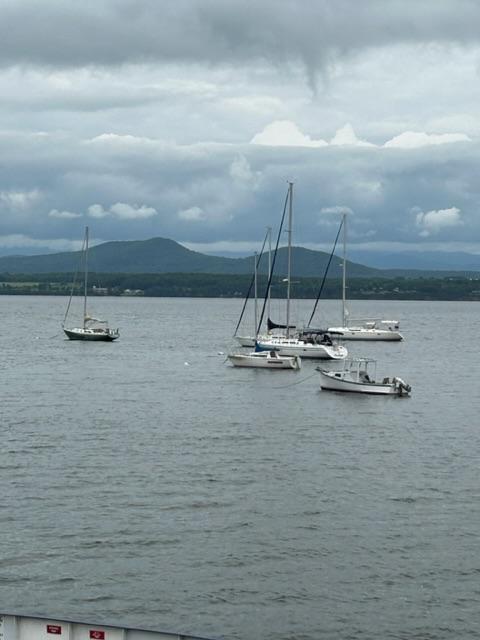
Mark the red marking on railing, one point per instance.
(55, 629)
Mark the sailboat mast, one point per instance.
(289, 269)
(85, 282)
(255, 257)
(269, 232)
(344, 275)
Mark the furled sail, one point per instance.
(273, 325)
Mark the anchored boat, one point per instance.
(358, 376)
(324, 349)
(367, 329)
(92, 329)
(292, 343)
(265, 360)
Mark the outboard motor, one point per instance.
(402, 386)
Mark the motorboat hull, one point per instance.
(91, 335)
(263, 360)
(338, 381)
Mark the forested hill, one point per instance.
(161, 255)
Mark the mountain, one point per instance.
(161, 255)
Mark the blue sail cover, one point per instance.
(259, 348)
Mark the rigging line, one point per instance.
(292, 384)
(250, 287)
(269, 284)
(325, 273)
(74, 282)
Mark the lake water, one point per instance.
(147, 482)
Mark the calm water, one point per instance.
(148, 482)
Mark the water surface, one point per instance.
(149, 483)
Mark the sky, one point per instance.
(186, 119)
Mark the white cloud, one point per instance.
(346, 137)
(285, 133)
(132, 212)
(416, 139)
(122, 210)
(194, 214)
(97, 211)
(240, 169)
(65, 215)
(123, 142)
(330, 217)
(435, 221)
(19, 200)
(337, 209)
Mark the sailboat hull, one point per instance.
(245, 341)
(362, 333)
(265, 360)
(91, 335)
(295, 347)
(249, 341)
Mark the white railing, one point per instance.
(20, 627)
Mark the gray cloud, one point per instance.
(185, 119)
(210, 192)
(117, 32)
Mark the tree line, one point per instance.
(236, 286)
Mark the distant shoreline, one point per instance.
(196, 285)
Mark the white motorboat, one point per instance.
(369, 329)
(265, 360)
(92, 329)
(358, 376)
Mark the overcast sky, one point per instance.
(186, 118)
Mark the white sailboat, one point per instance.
(92, 329)
(249, 340)
(368, 328)
(265, 360)
(295, 345)
(259, 359)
